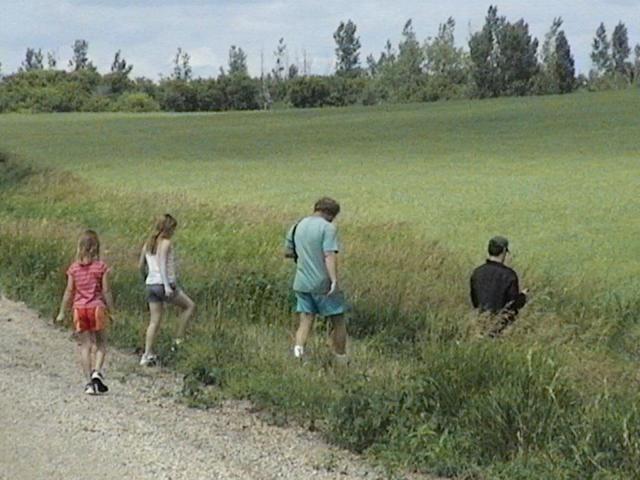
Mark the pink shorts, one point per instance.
(89, 319)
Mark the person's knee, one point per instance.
(191, 307)
(101, 340)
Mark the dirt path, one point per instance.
(50, 430)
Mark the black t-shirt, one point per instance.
(494, 288)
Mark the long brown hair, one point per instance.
(88, 248)
(163, 228)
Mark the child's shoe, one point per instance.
(98, 381)
(148, 360)
(90, 389)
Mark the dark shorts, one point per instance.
(155, 293)
(320, 304)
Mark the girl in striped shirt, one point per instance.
(88, 287)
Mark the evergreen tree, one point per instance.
(237, 61)
(517, 58)
(80, 59)
(565, 71)
(620, 50)
(600, 54)
(347, 49)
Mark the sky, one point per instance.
(148, 32)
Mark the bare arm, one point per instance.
(163, 257)
(331, 262)
(142, 263)
(66, 299)
(106, 291)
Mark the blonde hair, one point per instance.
(163, 228)
(88, 246)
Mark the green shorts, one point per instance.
(320, 304)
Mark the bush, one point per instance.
(309, 92)
(177, 96)
(97, 103)
(137, 102)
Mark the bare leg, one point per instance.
(304, 329)
(338, 334)
(183, 301)
(84, 344)
(155, 314)
(101, 349)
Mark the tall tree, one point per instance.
(600, 53)
(80, 59)
(182, 66)
(119, 64)
(237, 61)
(636, 63)
(547, 81)
(347, 49)
(445, 63)
(548, 51)
(484, 53)
(564, 64)
(517, 58)
(33, 60)
(620, 50)
(52, 61)
(281, 61)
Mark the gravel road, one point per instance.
(50, 430)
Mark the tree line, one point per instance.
(502, 59)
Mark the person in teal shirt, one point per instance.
(313, 244)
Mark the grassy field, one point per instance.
(422, 188)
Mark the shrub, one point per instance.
(309, 92)
(137, 102)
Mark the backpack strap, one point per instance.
(293, 241)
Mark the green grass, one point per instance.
(422, 188)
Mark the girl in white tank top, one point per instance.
(157, 261)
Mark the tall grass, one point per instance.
(423, 392)
(556, 398)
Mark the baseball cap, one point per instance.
(498, 244)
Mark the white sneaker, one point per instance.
(298, 351)
(148, 360)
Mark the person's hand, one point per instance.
(168, 291)
(333, 289)
(60, 317)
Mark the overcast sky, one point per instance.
(149, 32)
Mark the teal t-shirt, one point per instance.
(314, 236)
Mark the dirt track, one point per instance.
(50, 430)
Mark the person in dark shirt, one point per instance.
(495, 289)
